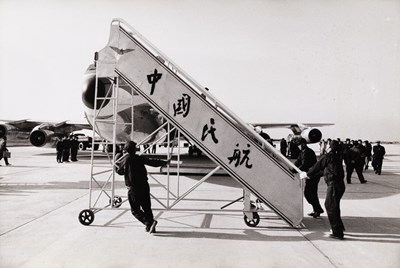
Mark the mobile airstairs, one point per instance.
(191, 110)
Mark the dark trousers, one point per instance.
(59, 156)
(377, 165)
(334, 193)
(65, 155)
(311, 194)
(359, 167)
(139, 199)
(5, 159)
(74, 153)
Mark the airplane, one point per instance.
(37, 133)
(146, 121)
(307, 131)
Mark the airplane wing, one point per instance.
(62, 127)
(290, 125)
(38, 132)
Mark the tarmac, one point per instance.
(40, 201)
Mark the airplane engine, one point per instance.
(311, 135)
(42, 137)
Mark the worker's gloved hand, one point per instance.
(303, 176)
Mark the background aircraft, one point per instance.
(37, 133)
(307, 131)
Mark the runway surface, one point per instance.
(40, 201)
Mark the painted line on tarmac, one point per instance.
(320, 251)
(45, 214)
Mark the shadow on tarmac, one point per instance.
(259, 235)
(384, 230)
(365, 229)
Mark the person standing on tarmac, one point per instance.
(74, 148)
(304, 162)
(356, 161)
(331, 164)
(368, 153)
(66, 149)
(377, 158)
(283, 147)
(135, 174)
(363, 150)
(294, 150)
(59, 148)
(3, 150)
(346, 153)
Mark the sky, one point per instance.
(267, 61)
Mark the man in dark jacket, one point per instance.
(74, 148)
(356, 160)
(283, 147)
(377, 158)
(294, 150)
(59, 148)
(368, 153)
(66, 149)
(135, 174)
(332, 166)
(304, 162)
(4, 150)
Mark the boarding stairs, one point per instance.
(218, 132)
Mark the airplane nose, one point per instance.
(89, 89)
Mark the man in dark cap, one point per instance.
(135, 174)
(377, 158)
(356, 161)
(304, 162)
(368, 151)
(332, 166)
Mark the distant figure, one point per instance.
(74, 148)
(283, 147)
(355, 161)
(341, 144)
(4, 150)
(154, 149)
(66, 149)
(368, 153)
(363, 152)
(288, 150)
(264, 135)
(331, 165)
(346, 153)
(294, 150)
(135, 174)
(377, 158)
(304, 162)
(328, 146)
(59, 148)
(322, 147)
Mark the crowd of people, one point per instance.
(357, 155)
(67, 148)
(335, 154)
